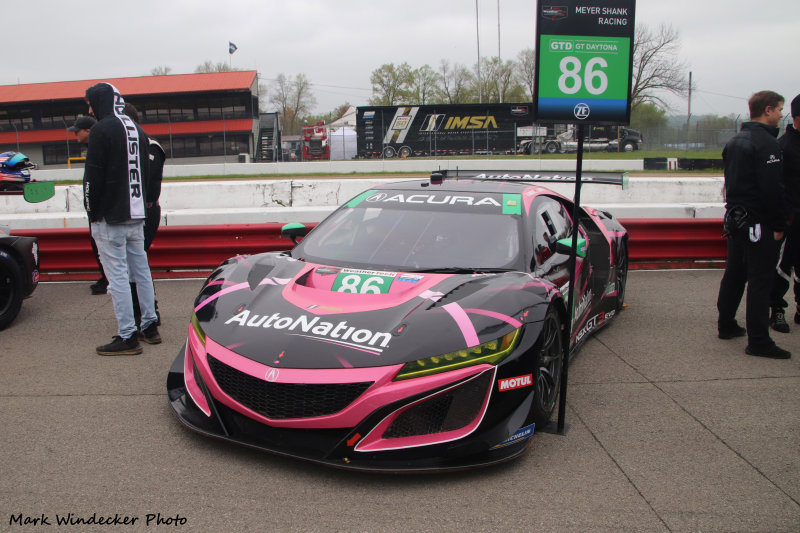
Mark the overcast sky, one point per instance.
(733, 47)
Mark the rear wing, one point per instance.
(605, 178)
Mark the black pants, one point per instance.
(752, 264)
(151, 222)
(788, 268)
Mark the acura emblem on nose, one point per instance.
(272, 375)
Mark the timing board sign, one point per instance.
(584, 61)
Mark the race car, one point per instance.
(419, 327)
(19, 273)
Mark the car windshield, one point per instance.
(416, 237)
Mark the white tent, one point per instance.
(348, 119)
(343, 143)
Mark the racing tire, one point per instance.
(389, 152)
(621, 275)
(404, 152)
(10, 289)
(551, 148)
(547, 369)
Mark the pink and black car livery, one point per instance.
(418, 327)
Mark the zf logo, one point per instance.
(581, 111)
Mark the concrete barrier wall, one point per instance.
(281, 200)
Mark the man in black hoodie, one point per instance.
(755, 219)
(114, 196)
(790, 249)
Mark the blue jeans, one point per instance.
(121, 248)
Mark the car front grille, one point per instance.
(284, 400)
(449, 411)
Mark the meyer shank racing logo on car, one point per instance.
(443, 199)
(313, 328)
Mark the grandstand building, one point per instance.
(197, 118)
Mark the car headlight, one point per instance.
(491, 352)
(198, 330)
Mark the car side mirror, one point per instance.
(564, 246)
(294, 231)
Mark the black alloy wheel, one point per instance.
(547, 369)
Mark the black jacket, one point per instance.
(153, 185)
(790, 144)
(754, 175)
(117, 160)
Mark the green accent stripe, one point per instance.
(360, 198)
(512, 204)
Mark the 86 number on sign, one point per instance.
(595, 80)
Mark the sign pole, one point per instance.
(573, 262)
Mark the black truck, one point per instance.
(442, 129)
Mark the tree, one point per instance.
(390, 84)
(160, 71)
(651, 121)
(526, 71)
(498, 81)
(656, 65)
(293, 99)
(210, 66)
(423, 86)
(455, 82)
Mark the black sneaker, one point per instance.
(778, 321)
(732, 332)
(150, 334)
(771, 351)
(100, 286)
(120, 346)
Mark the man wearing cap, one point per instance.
(790, 248)
(81, 129)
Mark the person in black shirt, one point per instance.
(790, 248)
(755, 219)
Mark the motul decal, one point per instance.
(518, 382)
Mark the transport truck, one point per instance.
(315, 142)
(442, 129)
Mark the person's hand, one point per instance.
(778, 235)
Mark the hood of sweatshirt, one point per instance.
(103, 97)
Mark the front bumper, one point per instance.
(366, 435)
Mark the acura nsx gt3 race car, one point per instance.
(420, 326)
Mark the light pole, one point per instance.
(478, 39)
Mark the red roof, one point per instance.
(237, 80)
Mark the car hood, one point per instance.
(279, 311)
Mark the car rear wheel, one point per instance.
(547, 369)
(551, 148)
(10, 289)
(621, 274)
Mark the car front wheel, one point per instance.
(547, 369)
